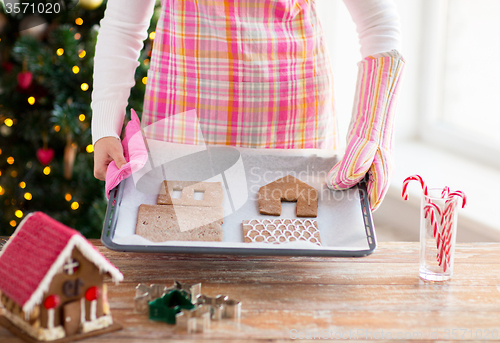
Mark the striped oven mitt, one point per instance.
(370, 135)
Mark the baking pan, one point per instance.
(344, 217)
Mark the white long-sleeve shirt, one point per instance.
(124, 28)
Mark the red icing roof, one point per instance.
(30, 253)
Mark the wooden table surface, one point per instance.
(284, 298)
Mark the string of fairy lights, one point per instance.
(9, 122)
(73, 203)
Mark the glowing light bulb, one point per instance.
(78, 21)
(60, 52)
(84, 86)
(57, 128)
(10, 160)
(68, 197)
(77, 36)
(19, 214)
(152, 35)
(46, 170)
(75, 205)
(81, 117)
(75, 69)
(28, 196)
(89, 148)
(144, 79)
(13, 223)
(82, 53)
(31, 100)
(8, 122)
(22, 184)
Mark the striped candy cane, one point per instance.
(441, 220)
(413, 178)
(433, 211)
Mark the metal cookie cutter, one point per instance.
(166, 308)
(221, 306)
(144, 293)
(193, 290)
(195, 320)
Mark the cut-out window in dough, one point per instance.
(176, 193)
(198, 195)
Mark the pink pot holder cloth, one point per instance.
(135, 153)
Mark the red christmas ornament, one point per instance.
(52, 301)
(7, 66)
(92, 293)
(24, 79)
(45, 155)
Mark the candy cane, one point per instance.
(445, 193)
(411, 178)
(432, 210)
(459, 194)
(447, 217)
(447, 224)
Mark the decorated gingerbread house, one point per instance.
(51, 280)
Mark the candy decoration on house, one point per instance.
(92, 295)
(50, 303)
(52, 282)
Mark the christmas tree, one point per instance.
(46, 160)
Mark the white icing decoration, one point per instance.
(281, 230)
(99, 323)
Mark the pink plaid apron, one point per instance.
(255, 72)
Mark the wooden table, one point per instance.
(378, 297)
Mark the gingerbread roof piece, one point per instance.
(288, 188)
(36, 252)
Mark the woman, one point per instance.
(258, 74)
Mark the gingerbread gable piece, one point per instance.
(288, 188)
(51, 280)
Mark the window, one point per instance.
(71, 266)
(460, 83)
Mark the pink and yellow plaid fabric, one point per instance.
(370, 138)
(257, 73)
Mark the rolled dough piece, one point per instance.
(278, 231)
(161, 223)
(288, 188)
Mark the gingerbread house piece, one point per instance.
(51, 280)
(288, 188)
(183, 216)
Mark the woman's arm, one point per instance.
(377, 24)
(119, 43)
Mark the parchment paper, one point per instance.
(242, 171)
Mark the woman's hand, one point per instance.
(107, 149)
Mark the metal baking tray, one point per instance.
(344, 217)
